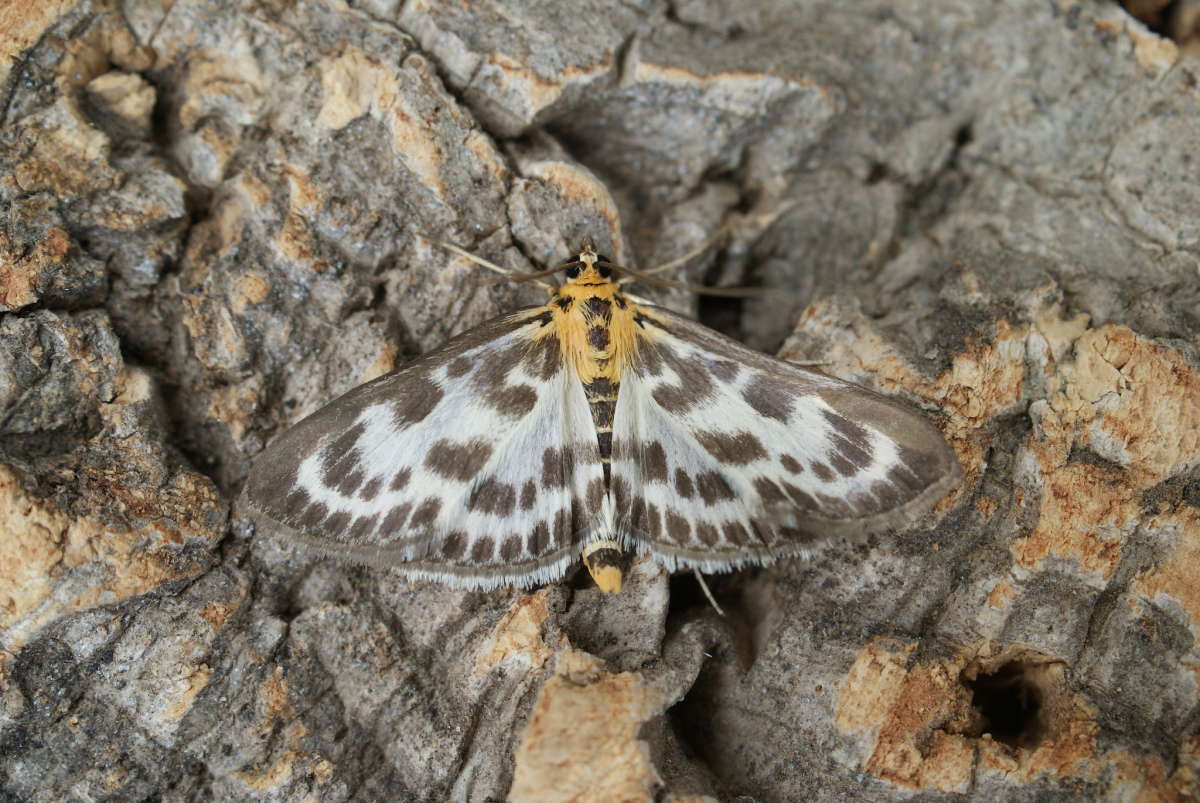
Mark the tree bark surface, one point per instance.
(219, 215)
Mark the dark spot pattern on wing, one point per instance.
(841, 465)
(343, 444)
(458, 461)
(901, 476)
(313, 515)
(654, 462)
(349, 483)
(887, 494)
(561, 531)
(297, 499)
(821, 470)
(427, 513)
(515, 401)
(581, 519)
(544, 359)
(395, 519)
(459, 367)
(400, 480)
(413, 399)
(852, 444)
(736, 449)
(735, 533)
(454, 545)
(713, 488)
(337, 522)
(834, 505)
(538, 539)
(695, 386)
(683, 484)
(510, 548)
(768, 491)
(801, 498)
(482, 549)
(707, 533)
(653, 521)
(528, 495)
(620, 492)
(637, 513)
(558, 466)
(649, 359)
(768, 399)
(595, 493)
(371, 489)
(340, 457)
(492, 379)
(491, 495)
(362, 527)
(679, 529)
(762, 531)
(724, 370)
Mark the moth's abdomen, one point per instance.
(596, 313)
(602, 399)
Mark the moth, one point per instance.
(593, 426)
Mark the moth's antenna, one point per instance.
(509, 276)
(711, 599)
(695, 252)
(729, 292)
(492, 266)
(527, 277)
(721, 231)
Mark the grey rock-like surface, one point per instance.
(219, 215)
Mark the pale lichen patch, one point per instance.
(518, 635)
(582, 741)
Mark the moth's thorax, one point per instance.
(595, 326)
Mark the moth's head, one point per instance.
(589, 267)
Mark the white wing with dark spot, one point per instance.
(723, 456)
(476, 465)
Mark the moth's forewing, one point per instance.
(724, 456)
(475, 465)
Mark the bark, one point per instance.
(219, 215)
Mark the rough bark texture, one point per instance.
(218, 215)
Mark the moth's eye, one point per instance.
(602, 258)
(573, 272)
(604, 271)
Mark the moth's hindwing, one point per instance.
(477, 465)
(723, 456)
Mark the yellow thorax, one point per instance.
(594, 321)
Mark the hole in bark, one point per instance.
(722, 314)
(1010, 703)
(687, 595)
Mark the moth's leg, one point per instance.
(711, 599)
